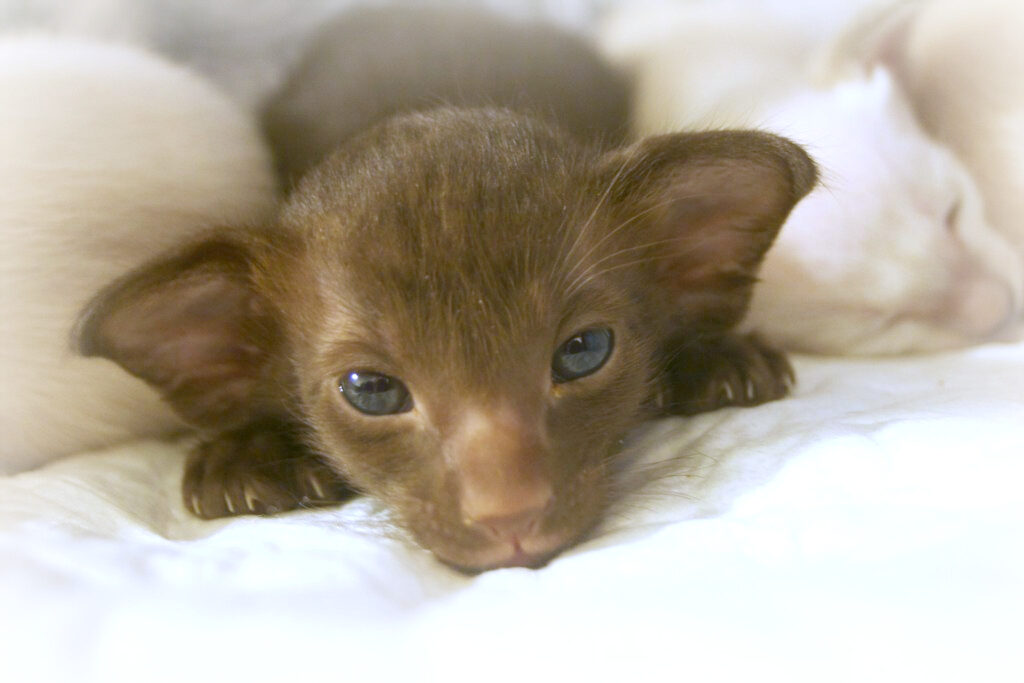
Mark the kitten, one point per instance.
(462, 312)
(892, 253)
(962, 69)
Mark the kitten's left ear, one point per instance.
(713, 203)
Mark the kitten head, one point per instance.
(467, 309)
(893, 253)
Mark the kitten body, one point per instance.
(374, 62)
(109, 156)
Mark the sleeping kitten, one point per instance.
(962, 68)
(892, 253)
(462, 312)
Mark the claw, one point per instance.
(315, 483)
(197, 507)
(250, 499)
(727, 391)
(228, 503)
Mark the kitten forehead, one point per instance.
(455, 235)
(487, 159)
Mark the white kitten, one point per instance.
(107, 157)
(892, 253)
(963, 68)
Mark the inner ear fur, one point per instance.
(713, 203)
(192, 325)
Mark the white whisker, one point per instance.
(572, 286)
(691, 246)
(593, 214)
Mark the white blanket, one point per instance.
(869, 528)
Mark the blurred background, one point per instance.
(247, 45)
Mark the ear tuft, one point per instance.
(193, 326)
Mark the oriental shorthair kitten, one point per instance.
(461, 311)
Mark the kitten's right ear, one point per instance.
(193, 326)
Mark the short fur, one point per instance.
(374, 62)
(456, 249)
(108, 157)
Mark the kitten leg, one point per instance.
(260, 469)
(735, 370)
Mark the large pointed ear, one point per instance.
(192, 325)
(713, 202)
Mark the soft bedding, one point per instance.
(868, 528)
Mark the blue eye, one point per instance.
(375, 394)
(582, 354)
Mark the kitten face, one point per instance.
(480, 345)
(462, 313)
(893, 254)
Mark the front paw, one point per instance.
(260, 469)
(735, 370)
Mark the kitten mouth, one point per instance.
(521, 558)
(531, 552)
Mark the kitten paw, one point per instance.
(261, 469)
(738, 370)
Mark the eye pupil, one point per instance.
(376, 386)
(374, 393)
(582, 354)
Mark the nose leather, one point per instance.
(499, 462)
(514, 526)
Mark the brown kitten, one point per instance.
(462, 312)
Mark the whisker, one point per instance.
(691, 247)
(614, 231)
(618, 228)
(593, 214)
(571, 287)
(620, 266)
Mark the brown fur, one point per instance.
(456, 250)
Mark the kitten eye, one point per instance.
(582, 354)
(375, 394)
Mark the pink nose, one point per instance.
(498, 458)
(981, 307)
(511, 526)
(510, 514)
